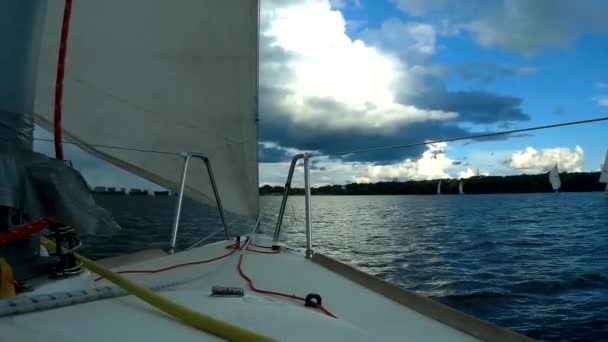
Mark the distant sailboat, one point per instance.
(604, 173)
(460, 185)
(556, 182)
(439, 188)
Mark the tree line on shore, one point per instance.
(571, 182)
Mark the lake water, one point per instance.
(536, 263)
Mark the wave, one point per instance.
(527, 289)
(477, 299)
(552, 287)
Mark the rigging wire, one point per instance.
(113, 147)
(468, 137)
(206, 238)
(376, 149)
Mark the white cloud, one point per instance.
(434, 163)
(601, 85)
(531, 160)
(358, 82)
(324, 171)
(468, 173)
(601, 100)
(340, 4)
(361, 179)
(411, 40)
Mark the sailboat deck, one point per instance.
(364, 309)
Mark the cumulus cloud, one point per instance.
(601, 100)
(413, 41)
(532, 160)
(323, 90)
(468, 173)
(434, 163)
(333, 80)
(519, 25)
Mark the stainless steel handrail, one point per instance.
(307, 201)
(180, 197)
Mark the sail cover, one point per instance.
(556, 182)
(604, 174)
(178, 76)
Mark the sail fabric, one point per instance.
(604, 173)
(177, 76)
(460, 190)
(439, 188)
(556, 182)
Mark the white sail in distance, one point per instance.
(554, 179)
(604, 172)
(460, 187)
(439, 188)
(178, 76)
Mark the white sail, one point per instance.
(175, 76)
(460, 187)
(556, 182)
(604, 172)
(439, 188)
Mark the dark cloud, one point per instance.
(478, 107)
(473, 107)
(326, 140)
(487, 72)
(272, 154)
(520, 25)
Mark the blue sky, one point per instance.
(341, 75)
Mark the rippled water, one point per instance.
(536, 263)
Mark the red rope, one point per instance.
(274, 293)
(263, 252)
(63, 46)
(231, 247)
(253, 244)
(24, 231)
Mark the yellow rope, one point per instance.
(7, 286)
(187, 315)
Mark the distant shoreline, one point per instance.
(520, 184)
